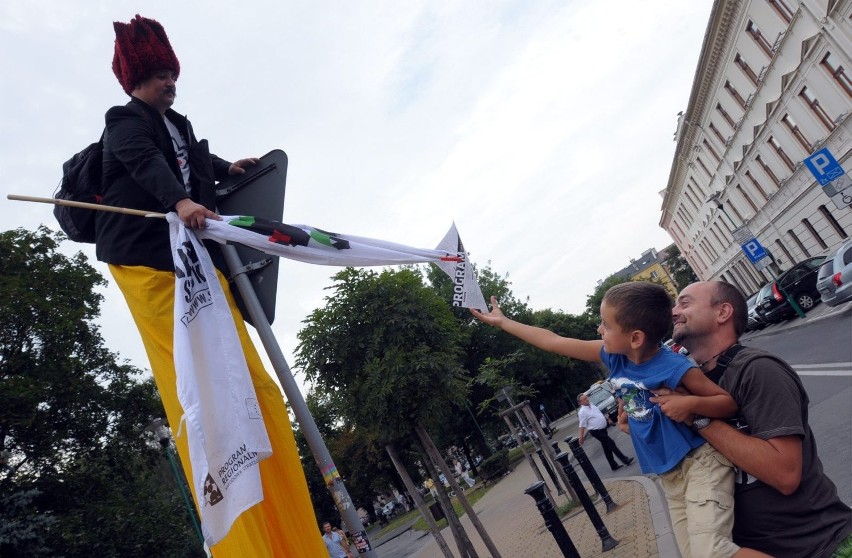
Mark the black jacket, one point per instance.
(140, 171)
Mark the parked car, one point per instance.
(676, 347)
(754, 319)
(834, 280)
(391, 509)
(800, 282)
(602, 396)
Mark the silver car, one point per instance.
(834, 280)
(755, 321)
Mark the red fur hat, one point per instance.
(141, 48)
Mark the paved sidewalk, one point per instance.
(641, 523)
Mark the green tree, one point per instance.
(593, 301)
(385, 350)
(680, 269)
(78, 467)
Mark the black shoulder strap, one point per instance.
(723, 361)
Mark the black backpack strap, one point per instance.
(722, 362)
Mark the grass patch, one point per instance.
(473, 496)
(566, 508)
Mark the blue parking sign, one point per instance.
(754, 250)
(824, 166)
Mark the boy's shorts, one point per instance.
(700, 494)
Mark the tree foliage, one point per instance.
(385, 350)
(79, 476)
(680, 269)
(593, 301)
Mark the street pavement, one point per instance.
(640, 523)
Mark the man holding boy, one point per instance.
(785, 504)
(697, 479)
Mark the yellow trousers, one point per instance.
(284, 523)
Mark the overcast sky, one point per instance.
(542, 128)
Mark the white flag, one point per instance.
(466, 291)
(312, 245)
(225, 430)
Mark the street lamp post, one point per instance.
(716, 199)
(158, 427)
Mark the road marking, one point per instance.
(825, 369)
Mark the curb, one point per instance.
(793, 324)
(666, 543)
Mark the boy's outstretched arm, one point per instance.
(540, 337)
(707, 399)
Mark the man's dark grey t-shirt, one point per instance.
(772, 402)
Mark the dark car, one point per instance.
(799, 282)
(754, 319)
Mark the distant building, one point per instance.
(649, 266)
(773, 85)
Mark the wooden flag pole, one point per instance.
(84, 205)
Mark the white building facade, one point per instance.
(773, 85)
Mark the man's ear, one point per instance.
(726, 312)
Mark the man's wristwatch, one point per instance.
(700, 423)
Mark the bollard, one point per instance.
(550, 471)
(555, 445)
(551, 520)
(591, 474)
(607, 542)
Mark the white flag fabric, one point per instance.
(466, 291)
(311, 245)
(225, 430)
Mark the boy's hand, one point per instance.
(494, 318)
(674, 405)
(623, 425)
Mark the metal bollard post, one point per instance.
(607, 542)
(591, 474)
(550, 471)
(555, 445)
(551, 520)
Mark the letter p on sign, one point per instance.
(824, 166)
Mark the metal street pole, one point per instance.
(300, 409)
(718, 202)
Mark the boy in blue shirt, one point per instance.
(697, 479)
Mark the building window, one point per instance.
(797, 132)
(699, 191)
(710, 149)
(798, 243)
(655, 275)
(757, 186)
(768, 171)
(703, 166)
(814, 234)
(733, 208)
(716, 236)
(747, 198)
(758, 37)
(718, 134)
(726, 116)
(783, 248)
(781, 153)
(740, 61)
(680, 234)
(735, 94)
(832, 221)
(817, 109)
(838, 73)
(782, 9)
